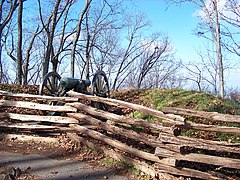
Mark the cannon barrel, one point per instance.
(73, 83)
(69, 83)
(86, 82)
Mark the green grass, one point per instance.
(110, 163)
(140, 115)
(191, 100)
(157, 99)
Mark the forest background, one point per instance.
(187, 44)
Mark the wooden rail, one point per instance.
(213, 116)
(158, 148)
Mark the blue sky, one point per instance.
(178, 22)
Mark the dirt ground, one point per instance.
(64, 150)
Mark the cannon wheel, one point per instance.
(50, 85)
(100, 87)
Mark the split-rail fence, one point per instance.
(158, 149)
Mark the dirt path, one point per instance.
(54, 161)
(47, 168)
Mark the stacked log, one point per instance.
(157, 149)
(169, 147)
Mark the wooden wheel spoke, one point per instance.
(58, 86)
(100, 85)
(50, 84)
(49, 89)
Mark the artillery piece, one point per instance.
(55, 85)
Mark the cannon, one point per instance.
(55, 85)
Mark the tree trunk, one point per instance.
(78, 31)
(87, 56)
(28, 54)
(219, 51)
(50, 34)
(19, 47)
(1, 66)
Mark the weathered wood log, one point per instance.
(126, 133)
(159, 168)
(207, 159)
(25, 118)
(213, 116)
(122, 119)
(31, 105)
(168, 117)
(34, 128)
(117, 144)
(199, 140)
(48, 98)
(27, 126)
(210, 128)
(139, 165)
(28, 138)
(187, 172)
(185, 142)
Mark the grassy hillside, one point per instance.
(160, 98)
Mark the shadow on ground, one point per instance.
(47, 168)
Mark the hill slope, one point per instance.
(160, 98)
(157, 99)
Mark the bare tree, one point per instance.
(8, 7)
(77, 35)
(204, 73)
(20, 52)
(231, 15)
(19, 43)
(156, 67)
(210, 70)
(195, 74)
(211, 21)
(134, 49)
(165, 73)
(98, 37)
(149, 61)
(50, 26)
(25, 67)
